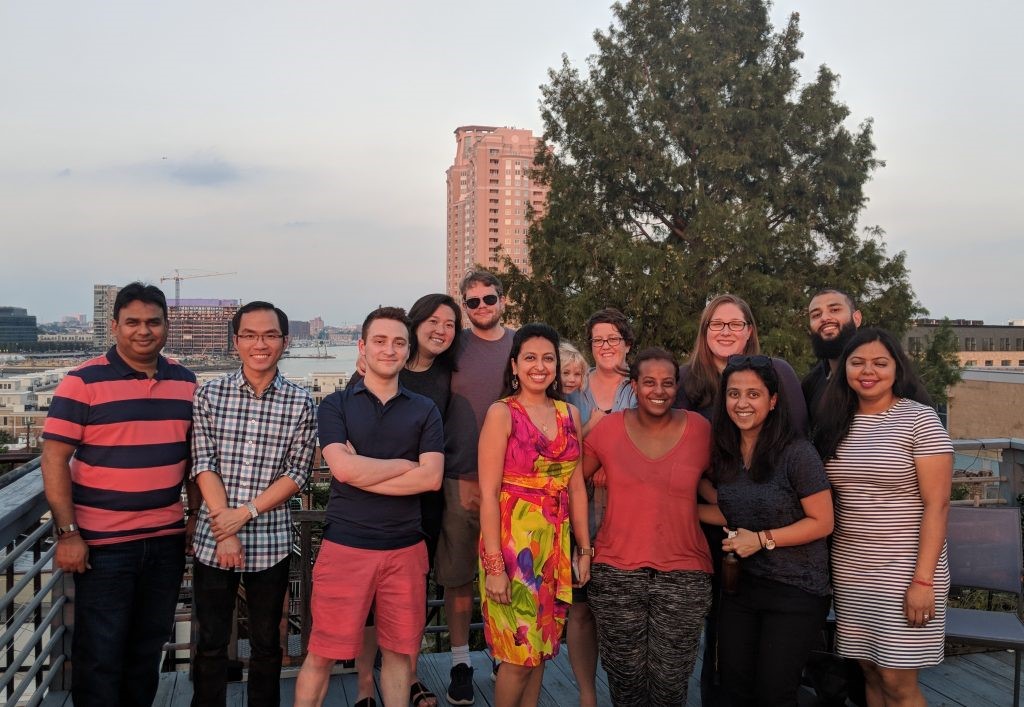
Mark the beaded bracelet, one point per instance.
(493, 564)
(923, 583)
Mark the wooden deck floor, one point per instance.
(977, 680)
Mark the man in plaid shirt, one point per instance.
(253, 437)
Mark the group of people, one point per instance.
(633, 505)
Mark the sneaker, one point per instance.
(460, 691)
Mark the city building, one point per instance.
(200, 327)
(490, 197)
(299, 329)
(987, 404)
(17, 326)
(979, 345)
(103, 297)
(316, 324)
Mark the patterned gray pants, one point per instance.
(648, 628)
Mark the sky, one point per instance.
(303, 146)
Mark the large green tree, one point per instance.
(688, 160)
(938, 364)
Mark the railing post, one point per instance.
(62, 681)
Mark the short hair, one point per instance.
(481, 277)
(422, 310)
(833, 291)
(396, 313)
(535, 330)
(256, 306)
(610, 315)
(139, 292)
(571, 356)
(654, 353)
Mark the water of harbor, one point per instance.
(296, 366)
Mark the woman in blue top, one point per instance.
(775, 499)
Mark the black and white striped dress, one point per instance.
(878, 511)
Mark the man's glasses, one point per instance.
(734, 325)
(253, 338)
(474, 302)
(611, 341)
(757, 361)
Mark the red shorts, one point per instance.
(347, 581)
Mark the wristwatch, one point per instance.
(253, 511)
(769, 542)
(70, 528)
(588, 551)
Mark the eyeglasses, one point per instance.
(757, 361)
(735, 325)
(612, 341)
(253, 338)
(474, 302)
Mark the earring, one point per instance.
(554, 386)
(515, 382)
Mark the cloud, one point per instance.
(64, 173)
(201, 169)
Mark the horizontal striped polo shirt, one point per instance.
(131, 435)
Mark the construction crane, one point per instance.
(178, 277)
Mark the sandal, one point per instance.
(418, 694)
(366, 702)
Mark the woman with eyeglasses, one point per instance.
(726, 328)
(606, 390)
(890, 463)
(650, 581)
(774, 497)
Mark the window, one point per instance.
(986, 343)
(1005, 363)
(1004, 343)
(969, 344)
(988, 362)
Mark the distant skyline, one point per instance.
(304, 145)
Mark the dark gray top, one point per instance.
(775, 503)
(476, 385)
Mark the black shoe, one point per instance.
(460, 691)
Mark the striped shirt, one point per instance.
(251, 442)
(130, 434)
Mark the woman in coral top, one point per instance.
(650, 582)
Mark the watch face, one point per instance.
(770, 544)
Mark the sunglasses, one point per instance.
(757, 361)
(474, 302)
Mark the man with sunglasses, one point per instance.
(253, 437)
(483, 352)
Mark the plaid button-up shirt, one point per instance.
(251, 442)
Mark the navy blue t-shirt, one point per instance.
(403, 428)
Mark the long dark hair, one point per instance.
(776, 433)
(534, 330)
(839, 404)
(702, 378)
(422, 310)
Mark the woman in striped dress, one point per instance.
(890, 463)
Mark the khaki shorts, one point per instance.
(457, 559)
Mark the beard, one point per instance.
(831, 349)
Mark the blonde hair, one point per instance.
(571, 356)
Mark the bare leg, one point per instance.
(581, 637)
(458, 607)
(511, 685)
(364, 663)
(314, 677)
(531, 695)
(395, 678)
(414, 661)
(900, 688)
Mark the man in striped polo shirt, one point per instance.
(252, 448)
(115, 455)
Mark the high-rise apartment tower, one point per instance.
(489, 194)
(103, 297)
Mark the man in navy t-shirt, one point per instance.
(384, 445)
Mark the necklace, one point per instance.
(537, 414)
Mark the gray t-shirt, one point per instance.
(775, 503)
(475, 385)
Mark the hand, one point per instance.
(582, 570)
(919, 604)
(743, 542)
(72, 555)
(190, 533)
(498, 588)
(600, 478)
(230, 553)
(225, 522)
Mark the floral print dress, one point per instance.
(534, 507)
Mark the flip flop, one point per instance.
(366, 702)
(418, 694)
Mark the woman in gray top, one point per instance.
(775, 500)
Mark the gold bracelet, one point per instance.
(493, 564)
